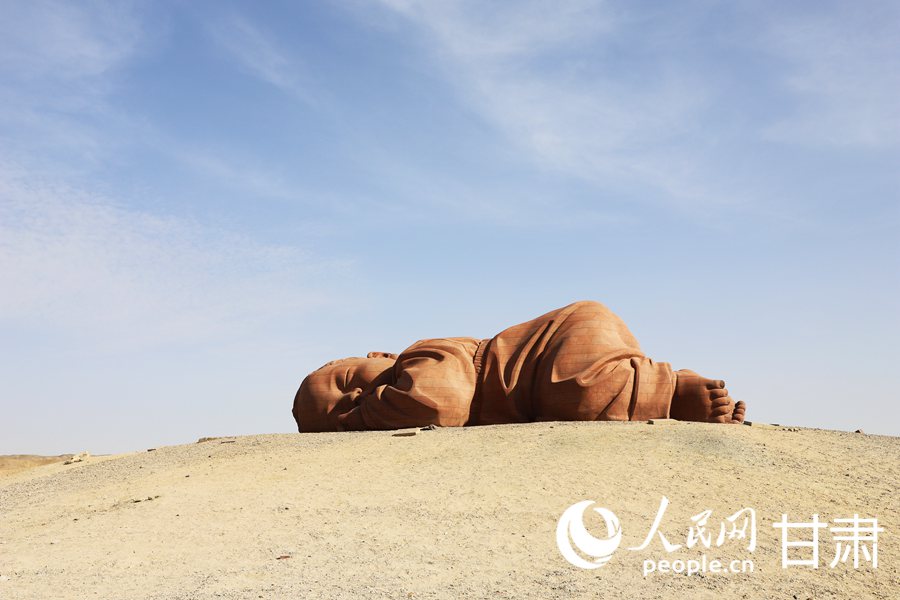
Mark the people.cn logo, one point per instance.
(571, 534)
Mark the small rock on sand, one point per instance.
(80, 457)
(405, 432)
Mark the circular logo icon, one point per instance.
(571, 534)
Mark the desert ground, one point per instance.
(16, 463)
(445, 513)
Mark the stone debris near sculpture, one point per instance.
(80, 457)
(406, 432)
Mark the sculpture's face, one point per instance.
(357, 374)
(328, 391)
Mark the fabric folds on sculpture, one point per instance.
(577, 363)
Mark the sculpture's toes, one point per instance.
(740, 410)
(722, 409)
(713, 384)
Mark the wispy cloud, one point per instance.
(58, 64)
(617, 94)
(75, 261)
(72, 261)
(255, 180)
(541, 74)
(477, 29)
(65, 39)
(843, 73)
(259, 54)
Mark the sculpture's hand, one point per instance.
(351, 419)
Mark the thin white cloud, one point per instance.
(75, 263)
(256, 180)
(538, 72)
(612, 93)
(66, 40)
(843, 73)
(58, 63)
(259, 54)
(478, 29)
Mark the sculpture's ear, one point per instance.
(390, 355)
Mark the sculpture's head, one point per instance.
(329, 391)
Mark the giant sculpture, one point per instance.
(576, 363)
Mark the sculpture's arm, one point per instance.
(432, 382)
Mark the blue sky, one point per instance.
(200, 202)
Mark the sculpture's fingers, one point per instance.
(715, 383)
(719, 393)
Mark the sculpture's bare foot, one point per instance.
(740, 409)
(697, 398)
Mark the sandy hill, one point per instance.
(15, 463)
(448, 513)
